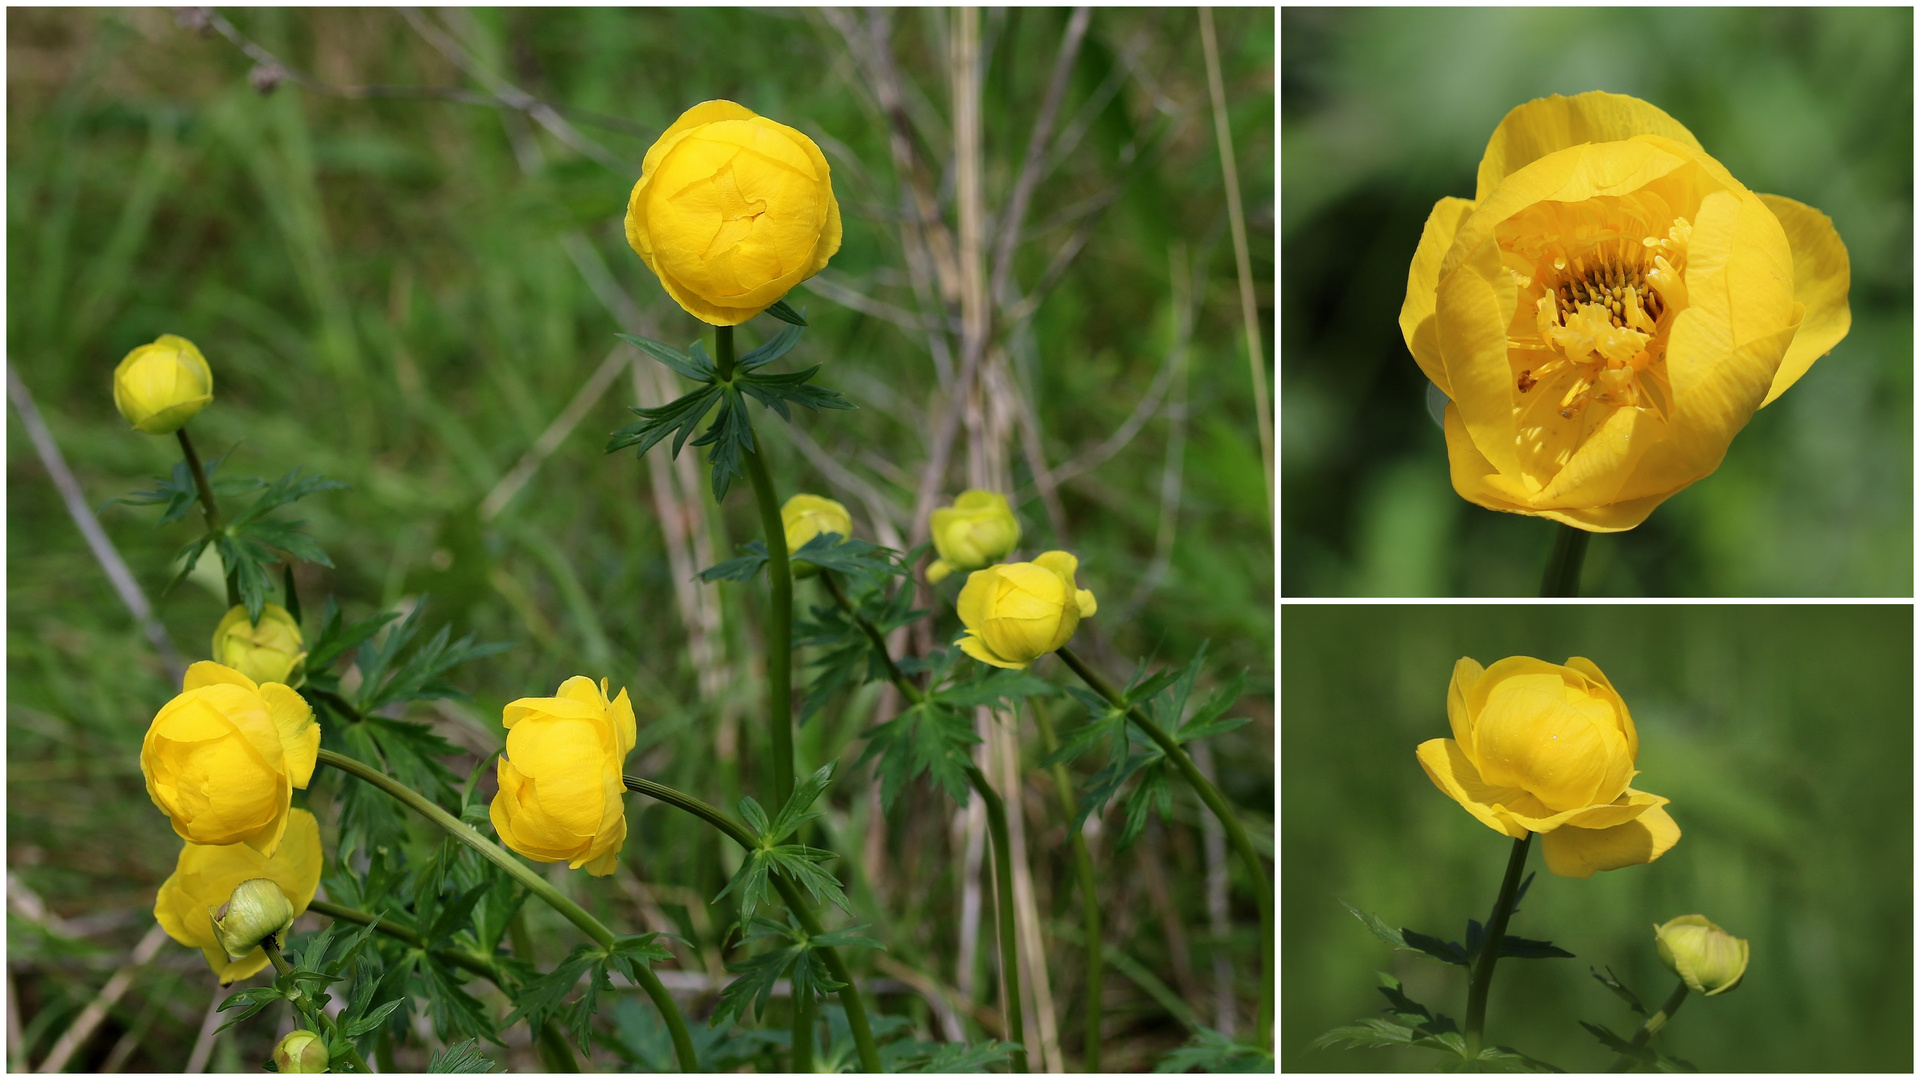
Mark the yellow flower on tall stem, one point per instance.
(1015, 613)
(562, 797)
(1610, 309)
(205, 876)
(158, 387)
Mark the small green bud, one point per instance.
(1708, 959)
(257, 910)
(301, 1052)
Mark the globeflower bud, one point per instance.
(301, 1052)
(267, 652)
(206, 876)
(1016, 613)
(807, 516)
(561, 795)
(159, 387)
(256, 911)
(1708, 959)
(976, 530)
(731, 211)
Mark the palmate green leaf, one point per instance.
(545, 997)
(742, 568)
(189, 557)
(914, 1056)
(677, 418)
(925, 738)
(798, 809)
(1445, 951)
(1617, 1044)
(1380, 929)
(1613, 983)
(1366, 1034)
(785, 313)
(802, 865)
(730, 436)
(776, 391)
(289, 488)
(461, 1057)
(246, 564)
(1507, 1059)
(695, 367)
(1210, 1051)
(775, 347)
(454, 1012)
(1001, 688)
(632, 952)
(335, 641)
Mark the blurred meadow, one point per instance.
(1784, 737)
(418, 295)
(1387, 110)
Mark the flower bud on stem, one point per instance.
(1490, 951)
(308, 1009)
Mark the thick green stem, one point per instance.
(802, 1033)
(1490, 949)
(1563, 566)
(780, 601)
(850, 998)
(1003, 914)
(1223, 811)
(207, 506)
(539, 886)
(1089, 894)
(1653, 1025)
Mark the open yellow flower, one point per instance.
(1610, 309)
(1549, 748)
(1015, 613)
(159, 386)
(223, 757)
(561, 795)
(205, 878)
(731, 211)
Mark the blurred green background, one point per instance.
(1784, 737)
(1386, 111)
(390, 292)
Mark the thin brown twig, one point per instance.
(95, 1011)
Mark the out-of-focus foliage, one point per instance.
(1784, 737)
(388, 294)
(1387, 110)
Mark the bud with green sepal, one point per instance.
(301, 1051)
(257, 912)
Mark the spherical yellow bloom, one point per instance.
(731, 211)
(223, 757)
(561, 796)
(268, 652)
(977, 529)
(807, 516)
(1549, 748)
(158, 387)
(1015, 613)
(1708, 959)
(206, 876)
(257, 910)
(1610, 309)
(301, 1052)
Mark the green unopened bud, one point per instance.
(1708, 959)
(257, 910)
(978, 530)
(301, 1052)
(268, 652)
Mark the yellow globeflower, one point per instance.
(268, 652)
(1015, 613)
(1549, 748)
(223, 757)
(807, 516)
(731, 211)
(1708, 959)
(977, 529)
(158, 387)
(561, 796)
(1610, 309)
(205, 878)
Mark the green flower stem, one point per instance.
(1563, 566)
(1089, 895)
(556, 1052)
(1490, 949)
(539, 886)
(1003, 915)
(850, 998)
(1222, 810)
(1653, 1025)
(802, 1033)
(311, 1011)
(207, 506)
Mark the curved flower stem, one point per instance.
(1653, 1025)
(207, 506)
(1003, 915)
(850, 998)
(1563, 566)
(539, 886)
(1490, 948)
(1089, 896)
(1222, 810)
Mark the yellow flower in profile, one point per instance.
(807, 516)
(205, 877)
(268, 652)
(223, 757)
(1549, 748)
(1610, 309)
(1015, 613)
(561, 795)
(160, 386)
(1708, 959)
(731, 211)
(977, 529)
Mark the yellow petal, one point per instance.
(1083, 599)
(1063, 563)
(1593, 673)
(1577, 853)
(1821, 278)
(974, 604)
(1628, 806)
(1423, 277)
(299, 735)
(1466, 672)
(976, 648)
(707, 112)
(1529, 736)
(1476, 480)
(207, 673)
(1450, 770)
(1546, 125)
(937, 571)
